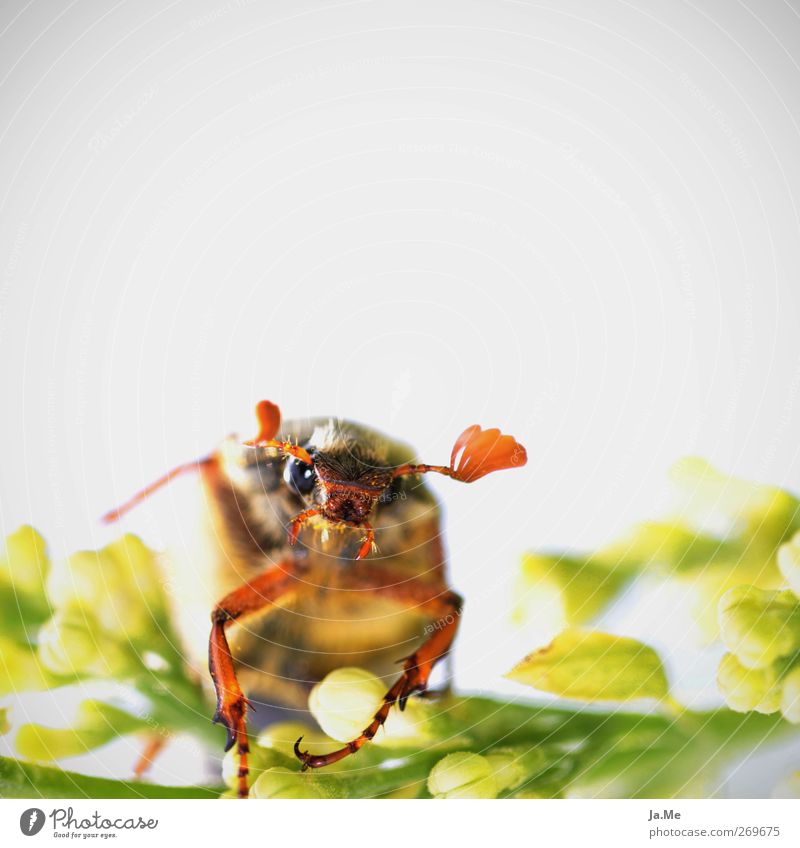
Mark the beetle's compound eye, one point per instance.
(299, 476)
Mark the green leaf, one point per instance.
(26, 780)
(675, 545)
(98, 724)
(585, 586)
(594, 666)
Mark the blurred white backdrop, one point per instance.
(575, 220)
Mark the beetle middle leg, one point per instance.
(152, 748)
(266, 589)
(445, 609)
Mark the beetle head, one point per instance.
(351, 475)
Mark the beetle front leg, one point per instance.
(417, 670)
(232, 705)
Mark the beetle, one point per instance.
(294, 522)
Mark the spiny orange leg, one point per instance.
(151, 750)
(297, 522)
(416, 672)
(475, 454)
(232, 705)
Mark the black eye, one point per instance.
(299, 476)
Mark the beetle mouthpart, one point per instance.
(368, 542)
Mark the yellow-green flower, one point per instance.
(511, 766)
(345, 702)
(282, 735)
(281, 782)
(789, 563)
(20, 670)
(119, 584)
(746, 689)
(73, 642)
(23, 569)
(759, 626)
(788, 787)
(790, 699)
(463, 775)
(24, 564)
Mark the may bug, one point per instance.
(294, 522)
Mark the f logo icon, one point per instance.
(31, 821)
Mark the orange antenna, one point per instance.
(475, 454)
(269, 422)
(115, 514)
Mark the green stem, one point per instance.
(372, 782)
(26, 780)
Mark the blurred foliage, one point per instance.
(592, 666)
(29, 780)
(98, 616)
(752, 522)
(105, 616)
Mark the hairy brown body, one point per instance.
(292, 595)
(334, 618)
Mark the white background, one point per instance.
(575, 220)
